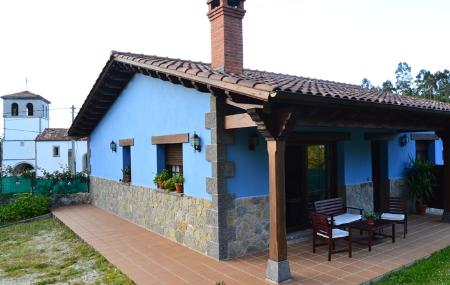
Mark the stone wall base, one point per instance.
(358, 195)
(249, 220)
(71, 199)
(178, 218)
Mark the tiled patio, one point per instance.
(148, 258)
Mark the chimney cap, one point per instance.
(237, 4)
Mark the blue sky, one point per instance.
(61, 46)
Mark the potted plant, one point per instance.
(421, 182)
(160, 178)
(370, 217)
(169, 185)
(126, 174)
(178, 180)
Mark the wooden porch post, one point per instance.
(446, 143)
(277, 266)
(275, 125)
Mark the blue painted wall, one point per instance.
(150, 107)
(251, 167)
(356, 156)
(399, 157)
(437, 150)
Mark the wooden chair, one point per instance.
(337, 211)
(395, 210)
(323, 230)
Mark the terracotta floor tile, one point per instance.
(149, 258)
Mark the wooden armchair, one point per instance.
(395, 210)
(323, 230)
(337, 211)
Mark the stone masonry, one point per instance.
(216, 185)
(250, 218)
(178, 218)
(360, 196)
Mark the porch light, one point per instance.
(113, 146)
(195, 142)
(404, 140)
(253, 141)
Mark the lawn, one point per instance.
(433, 270)
(46, 252)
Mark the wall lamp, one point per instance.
(404, 140)
(113, 146)
(196, 142)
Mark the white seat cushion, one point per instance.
(392, 217)
(346, 218)
(337, 233)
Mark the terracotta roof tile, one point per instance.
(268, 82)
(56, 134)
(25, 95)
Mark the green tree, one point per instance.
(404, 79)
(365, 83)
(425, 84)
(387, 86)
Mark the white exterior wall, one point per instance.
(46, 161)
(20, 131)
(24, 128)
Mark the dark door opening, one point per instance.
(310, 176)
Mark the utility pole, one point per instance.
(73, 162)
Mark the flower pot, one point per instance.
(178, 188)
(421, 209)
(160, 184)
(370, 222)
(127, 178)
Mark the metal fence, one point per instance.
(15, 185)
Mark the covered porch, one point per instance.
(289, 118)
(148, 258)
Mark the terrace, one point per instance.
(148, 258)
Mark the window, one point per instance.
(422, 150)
(126, 163)
(56, 151)
(30, 110)
(14, 109)
(70, 159)
(174, 159)
(85, 162)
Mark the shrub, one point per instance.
(26, 206)
(169, 184)
(161, 177)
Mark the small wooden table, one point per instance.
(374, 229)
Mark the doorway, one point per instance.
(310, 176)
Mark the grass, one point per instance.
(46, 252)
(433, 270)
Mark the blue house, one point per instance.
(256, 148)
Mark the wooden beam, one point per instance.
(239, 121)
(126, 142)
(424, 137)
(299, 137)
(380, 136)
(171, 139)
(277, 200)
(243, 105)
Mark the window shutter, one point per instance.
(174, 154)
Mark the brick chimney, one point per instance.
(227, 49)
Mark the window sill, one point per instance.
(169, 193)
